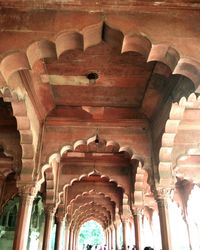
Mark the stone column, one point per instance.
(124, 232)
(116, 236)
(66, 237)
(136, 218)
(71, 238)
(106, 233)
(59, 233)
(74, 239)
(27, 194)
(49, 218)
(164, 220)
(111, 237)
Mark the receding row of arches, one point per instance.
(66, 177)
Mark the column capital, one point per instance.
(137, 211)
(27, 189)
(60, 217)
(27, 193)
(50, 210)
(124, 218)
(163, 193)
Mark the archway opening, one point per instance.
(91, 235)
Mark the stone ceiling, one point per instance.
(84, 72)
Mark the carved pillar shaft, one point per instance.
(106, 233)
(116, 236)
(23, 221)
(48, 229)
(137, 226)
(164, 225)
(74, 240)
(66, 237)
(124, 233)
(71, 237)
(111, 238)
(59, 231)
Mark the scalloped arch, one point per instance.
(98, 215)
(92, 35)
(100, 194)
(85, 146)
(181, 171)
(91, 190)
(91, 205)
(167, 164)
(23, 125)
(92, 217)
(87, 208)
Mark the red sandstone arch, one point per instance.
(95, 198)
(91, 217)
(106, 199)
(183, 120)
(90, 213)
(23, 125)
(187, 165)
(88, 210)
(82, 210)
(111, 192)
(84, 146)
(46, 50)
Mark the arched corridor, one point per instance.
(91, 233)
(99, 123)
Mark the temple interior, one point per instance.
(100, 121)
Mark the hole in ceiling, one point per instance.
(92, 76)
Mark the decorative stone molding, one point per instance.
(45, 50)
(24, 127)
(50, 210)
(25, 189)
(81, 146)
(173, 150)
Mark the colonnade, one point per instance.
(144, 226)
(66, 236)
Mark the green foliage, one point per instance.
(91, 233)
